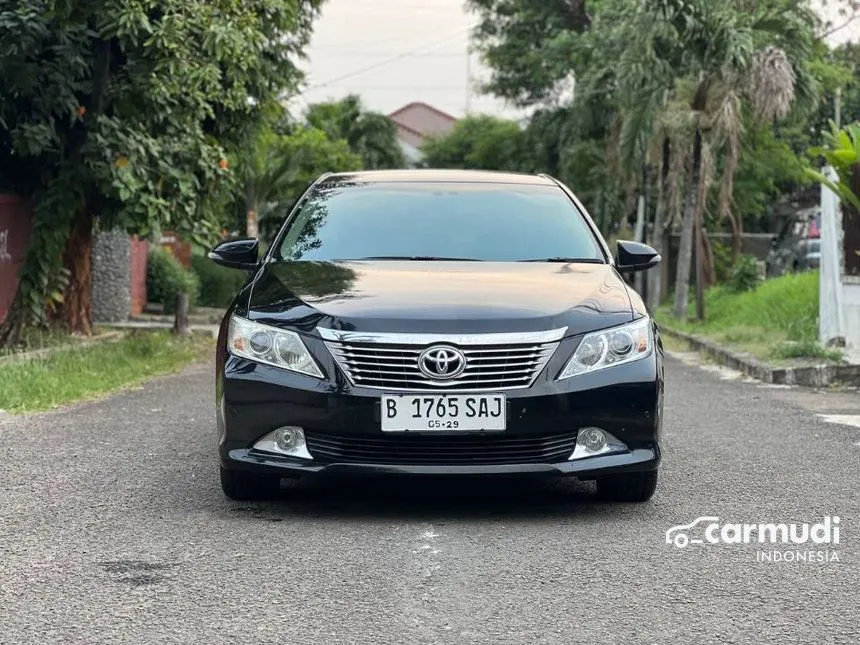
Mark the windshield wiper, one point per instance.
(566, 260)
(419, 258)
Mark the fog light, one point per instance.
(289, 440)
(591, 442)
(592, 439)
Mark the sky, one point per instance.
(418, 49)
(393, 52)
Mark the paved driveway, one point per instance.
(113, 530)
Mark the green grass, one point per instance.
(777, 322)
(35, 338)
(806, 349)
(87, 372)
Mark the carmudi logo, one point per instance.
(820, 538)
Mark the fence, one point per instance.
(15, 221)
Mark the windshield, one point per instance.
(465, 221)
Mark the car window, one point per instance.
(494, 222)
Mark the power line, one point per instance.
(393, 59)
(399, 6)
(394, 88)
(367, 54)
(374, 43)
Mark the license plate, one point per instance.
(433, 412)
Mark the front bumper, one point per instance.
(634, 460)
(254, 399)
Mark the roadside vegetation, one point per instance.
(776, 322)
(35, 339)
(682, 119)
(87, 372)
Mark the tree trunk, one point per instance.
(639, 231)
(655, 277)
(737, 225)
(180, 317)
(251, 223)
(665, 278)
(630, 202)
(77, 310)
(685, 252)
(654, 290)
(699, 257)
(709, 272)
(851, 229)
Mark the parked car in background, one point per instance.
(807, 254)
(797, 246)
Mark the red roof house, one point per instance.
(416, 122)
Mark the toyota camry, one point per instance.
(438, 322)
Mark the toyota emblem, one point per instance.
(442, 362)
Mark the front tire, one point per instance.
(628, 487)
(243, 486)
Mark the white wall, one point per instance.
(851, 311)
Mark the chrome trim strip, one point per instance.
(436, 386)
(393, 338)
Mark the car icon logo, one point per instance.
(442, 362)
(679, 535)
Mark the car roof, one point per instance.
(438, 176)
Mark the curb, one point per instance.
(211, 330)
(813, 376)
(194, 319)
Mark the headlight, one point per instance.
(271, 346)
(609, 347)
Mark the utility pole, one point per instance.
(699, 248)
(639, 230)
(468, 81)
(837, 107)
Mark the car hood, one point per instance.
(439, 297)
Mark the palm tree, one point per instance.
(371, 135)
(266, 174)
(734, 51)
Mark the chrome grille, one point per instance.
(379, 361)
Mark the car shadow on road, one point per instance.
(425, 498)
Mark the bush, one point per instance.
(787, 305)
(746, 275)
(806, 349)
(218, 285)
(165, 278)
(723, 266)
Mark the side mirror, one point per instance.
(237, 254)
(633, 256)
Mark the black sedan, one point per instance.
(444, 323)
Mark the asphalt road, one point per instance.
(113, 530)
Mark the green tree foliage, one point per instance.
(530, 45)
(315, 153)
(218, 284)
(308, 153)
(702, 107)
(839, 73)
(479, 143)
(267, 177)
(768, 169)
(371, 135)
(120, 112)
(165, 278)
(842, 152)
